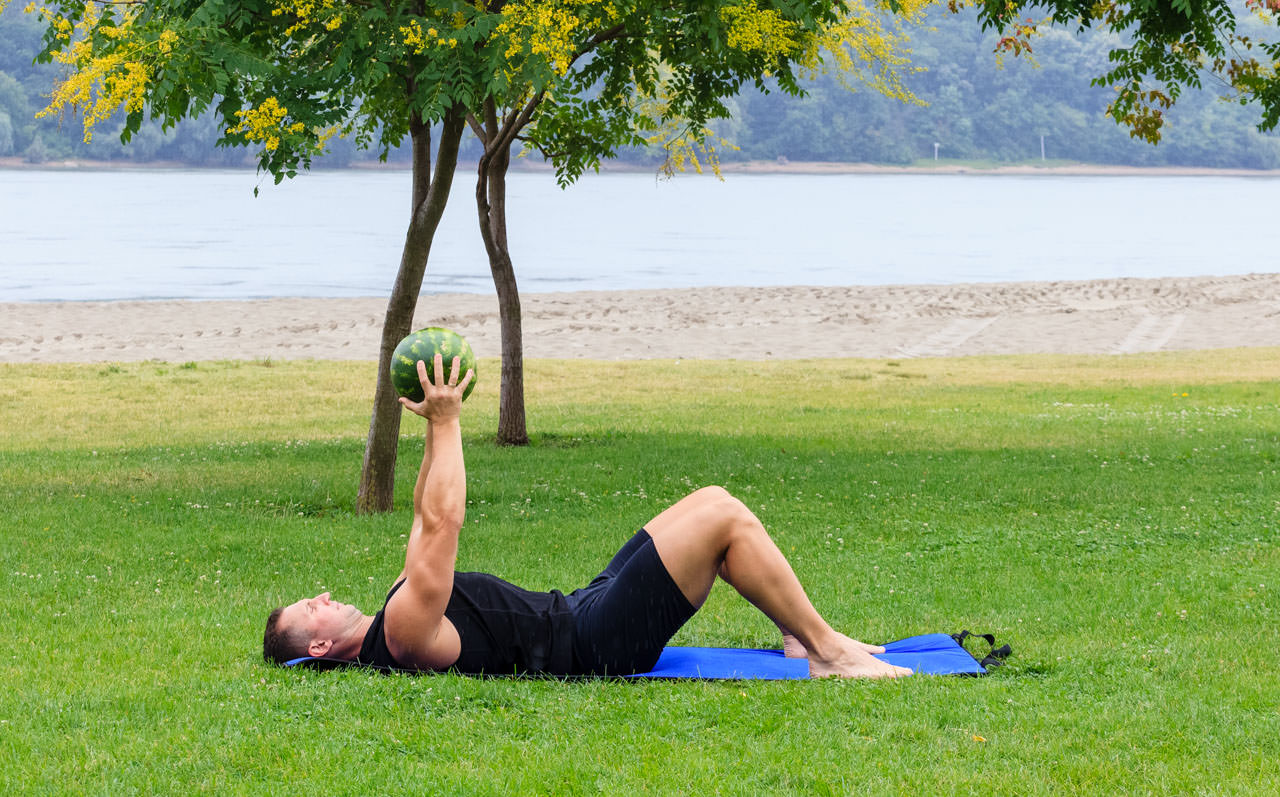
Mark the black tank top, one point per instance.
(505, 630)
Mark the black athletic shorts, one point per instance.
(626, 615)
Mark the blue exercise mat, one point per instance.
(927, 654)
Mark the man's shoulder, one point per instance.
(417, 636)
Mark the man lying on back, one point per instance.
(437, 619)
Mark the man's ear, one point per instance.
(319, 647)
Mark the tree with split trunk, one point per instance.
(603, 75)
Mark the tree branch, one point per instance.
(616, 32)
(477, 128)
(491, 116)
(514, 122)
(490, 132)
(509, 119)
(547, 154)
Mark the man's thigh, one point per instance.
(690, 539)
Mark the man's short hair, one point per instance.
(281, 644)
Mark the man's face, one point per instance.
(320, 618)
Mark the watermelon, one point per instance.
(423, 345)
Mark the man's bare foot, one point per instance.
(852, 659)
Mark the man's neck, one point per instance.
(349, 647)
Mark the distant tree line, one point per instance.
(976, 109)
(979, 108)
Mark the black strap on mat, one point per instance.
(995, 656)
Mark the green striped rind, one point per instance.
(423, 345)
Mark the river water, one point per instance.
(153, 234)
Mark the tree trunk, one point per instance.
(491, 203)
(430, 193)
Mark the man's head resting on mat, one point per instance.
(309, 627)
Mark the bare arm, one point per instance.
(415, 616)
(419, 488)
(441, 506)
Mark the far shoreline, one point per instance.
(758, 167)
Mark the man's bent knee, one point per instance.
(711, 492)
(714, 514)
(732, 511)
(720, 495)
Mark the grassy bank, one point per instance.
(1115, 519)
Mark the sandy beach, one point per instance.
(1119, 316)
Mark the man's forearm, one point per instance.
(444, 498)
(420, 487)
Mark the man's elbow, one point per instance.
(446, 522)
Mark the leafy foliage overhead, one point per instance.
(288, 75)
(1173, 45)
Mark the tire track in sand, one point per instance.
(956, 333)
(1151, 333)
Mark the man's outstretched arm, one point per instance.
(416, 613)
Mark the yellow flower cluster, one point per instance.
(419, 40)
(759, 30)
(322, 136)
(869, 45)
(548, 29)
(413, 36)
(307, 12)
(99, 82)
(61, 26)
(685, 152)
(684, 148)
(264, 123)
(166, 41)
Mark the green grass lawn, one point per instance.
(1113, 518)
